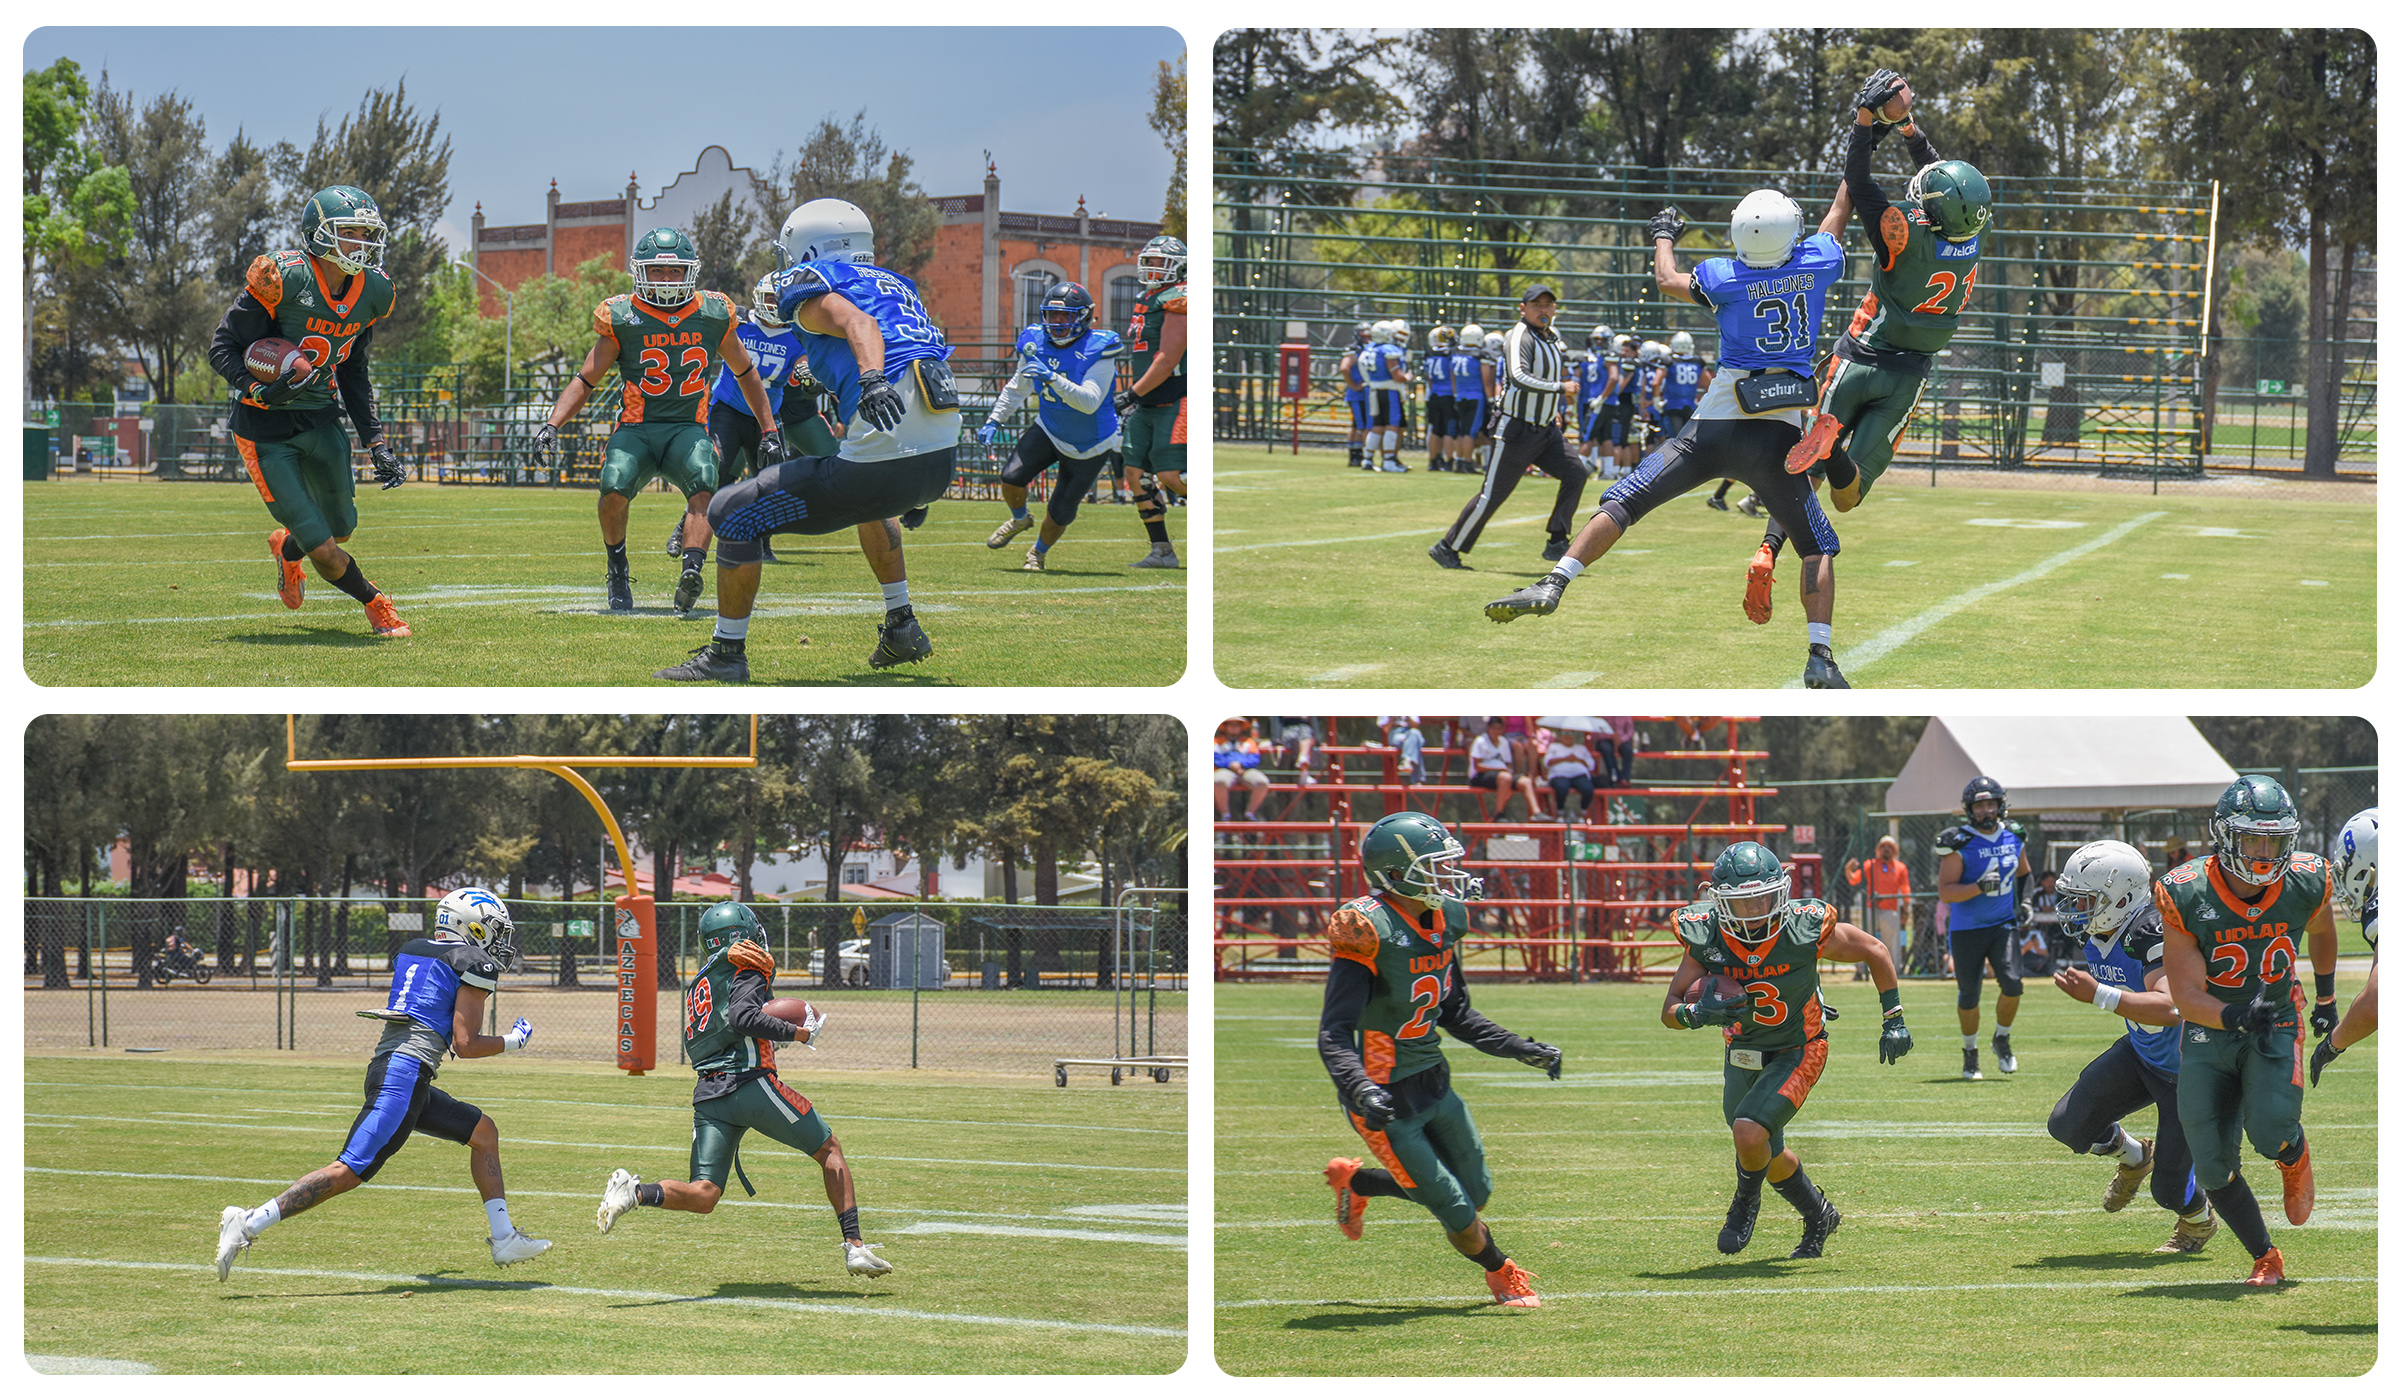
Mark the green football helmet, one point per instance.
(724, 923)
(1751, 889)
(1957, 200)
(668, 249)
(1162, 261)
(341, 224)
(2254, 830)
(1411, 855)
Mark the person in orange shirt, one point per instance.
(1886, 880)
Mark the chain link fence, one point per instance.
(989, 987)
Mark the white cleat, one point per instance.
(517, 1248)
(862, 1259)
(233, 1236)
(1009, 529)
(616, 1198)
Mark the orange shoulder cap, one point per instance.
(1353, 936)
(603, 323)
(264, 281)
(1895, 234)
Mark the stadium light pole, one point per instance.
(508, 326)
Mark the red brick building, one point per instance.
(989, 272)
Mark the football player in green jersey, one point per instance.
(664, 339)
(1750, 929)
(1152, 402)
(2231, 918)
(1925, 249)
(731, 1042)
(325, 297)
(1395, 983)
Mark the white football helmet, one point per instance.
(827, 230)
(1402, 332)
(2102, 885)
(1681, 346)
(763, 299)
(2354, 863)
(1380, 333)
(1653, 353)
(1442, 337)
(1493, 341)
(476, 915)
(1470, 336)
(1765, 228)
(1600, 339)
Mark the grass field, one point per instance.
(1971, 1243)
(148, 584)
(1035, 1229)
(1322, 580)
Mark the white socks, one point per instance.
(732, 629)
(1968, 1041)
(895, 595)
(261, 1218)
(1820, 634)
(1568, 565)
(496, 1211)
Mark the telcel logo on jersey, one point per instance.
(1958, 250)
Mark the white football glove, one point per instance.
(517, 1035)
(813, 1022)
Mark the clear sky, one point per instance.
(1064, 111)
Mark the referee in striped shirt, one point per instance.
(1529, 432)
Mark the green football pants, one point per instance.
(765, 1103)
(679, 454)
(1873, 406)
(1772, 1093)
(305, 480)
(2232, 1084)
(1437, 1157)
(1154, 436)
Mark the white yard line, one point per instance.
(1729, 1290)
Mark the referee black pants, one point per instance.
(1518, 445)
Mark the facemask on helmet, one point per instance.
(1413, 856)
(1751, 889)
(476, 915)
(2101, 886)
(666, 268)
(1066, 313)
(2254, 831)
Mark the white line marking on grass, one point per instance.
(1346, 673)
(2007, 524)
(1569, 680)
(1720, 1291)
(945, 1227)
(2222, 532)
(1899, 563)
(642, 1295)
(86, 1366)
(1891, 639)
(2174, 575)
(2314, 583)
(1423, 533)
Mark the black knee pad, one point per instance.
(2011, 986)
(739, 551)
(1615, 510)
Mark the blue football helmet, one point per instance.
(1066, 313)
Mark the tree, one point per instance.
(1167, 108)
(156, 290)
(401, 158)
(853, 163)
(77, 210)
(553, 322)
(66, 818)
(724, 233)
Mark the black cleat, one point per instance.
(900, 640)
(1539, 598)
(766, 553)
(1814, 1233)
(1718, 503)
(675, 540)
(911, 519)
(2003, 1054)
(1740, 1219)
(1822, 674)
(1556, 549)
(687, 590)
(620, 593)
(709, 664)
(1447, 557)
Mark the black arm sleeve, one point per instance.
(1867, 199)
(245, 321)
(358, 396)
(1347, 988)
(743, 1014)
(1461, 1019)
(1920, 146)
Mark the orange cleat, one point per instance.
(291, 585)
(1349, 1208)
(1758, 594)
(2267, 1270)
(385, 617)
(2299, 1189)
(1815, 446)
(1512, 1287)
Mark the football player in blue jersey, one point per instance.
(1382, 367)
(1470, 406)
(1439, 401)
(2104, 900)
(1591, 377)
(1769, 300)
(1354, 396)
(1982, 860)
(1067, 368)
(884, 363)
(438, 989)
(774, 349)
(2354, 886)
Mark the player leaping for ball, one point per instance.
(2354, 886)
(325, 298)
(730, 1040)
(436, 1003)
(1753, 932)
(662, 338)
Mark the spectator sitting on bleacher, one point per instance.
(1616, 748)
(1296, 747)
(1238, 762)
(1401, 732)
(1490, 765)
(1568, 762)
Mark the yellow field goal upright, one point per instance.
(637, 913)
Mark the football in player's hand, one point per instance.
(1718, 987)
(270, 359)
(791, 1009)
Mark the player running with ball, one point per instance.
(730, 1040)
(1395, 979)
(1750, 955)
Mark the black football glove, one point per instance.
(1543, 1057)
(1717, 1011)
(545, 447)
(1375, 1108)
(2256, 1017)
(770, 448)
(2323, 1017)
(1880, 88)
(1896, 1041)
(878, 402)
(1666, 224)
(388, 471)
(2318, 1058)
(1125, 401)
(274, 393)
